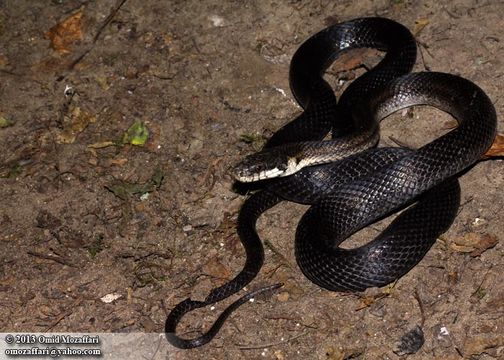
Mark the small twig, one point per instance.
(64, 315)
(108, 19)
(8, 72)
(275, 251)
(98, 34)
(273, 272)
(461, 206)
(209, 178)
(155, 352)
(400, 143)
(480, 286)
(420, 305)
(291, 319)
(420, 47)
(263, 346)
(78, 60)
(54, 258)
(451, 14)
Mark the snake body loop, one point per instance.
(366, 183)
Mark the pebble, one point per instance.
(283, 296)
(478, 222)
(410, 342)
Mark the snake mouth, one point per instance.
(246, 177)
(269, 163)
(264, 165)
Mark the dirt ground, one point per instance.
(84, 215)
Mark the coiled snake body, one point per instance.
(365, 183)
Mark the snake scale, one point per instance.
(348, 181)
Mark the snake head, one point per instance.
(266, 164)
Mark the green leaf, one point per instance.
(5, 122)
(251, 138)
(137, 134)
(123, 189)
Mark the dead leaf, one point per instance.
(75, 122)
(450, 124)
(334, 353)
(279, 355)
(497, 148)
(117, 162)
(370, 296)
(209, 179)
(283, 296)
(479, 344)
(50, 64)
(225, 232)
(102, 82)
(420, 24)
(453, 277)
(148, 325)
(461, 248)
(474, 243)
(353, 60)
(65, 33)
(7, 281)
(4, 61)
(216, 269)
(102, 144)
(365, 302)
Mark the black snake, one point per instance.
(367, 183)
